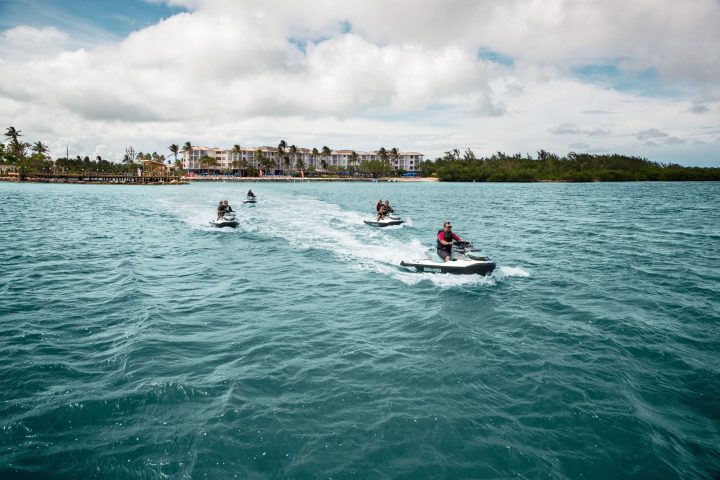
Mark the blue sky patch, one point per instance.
(87, 18)
(496, 57)
(610, 75)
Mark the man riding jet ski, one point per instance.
(250, 198)
(386, 216)
(225, 216)
(452, 255)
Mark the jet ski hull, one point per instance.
(250, 201)
(383, 223)
(232, 224)
(459, 267)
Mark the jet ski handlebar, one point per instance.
(463, 246)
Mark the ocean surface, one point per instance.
(137, 342)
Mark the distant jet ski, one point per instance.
(389, 220)
(465, 261)
(250, 199)
(227, 220)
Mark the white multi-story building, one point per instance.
(261, 157)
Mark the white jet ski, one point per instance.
(250, 199)
(465, 260)
(389, 220)
(227, 220)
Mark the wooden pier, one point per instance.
(102, 178)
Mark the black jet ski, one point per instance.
(389, 220)
(465, 260)
(227, 220)
(250, 199)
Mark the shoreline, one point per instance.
(308, 179)
(120, 180)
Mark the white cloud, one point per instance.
(651, 133)
(23, 42)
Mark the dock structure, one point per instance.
(102, 178)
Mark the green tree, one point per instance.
(39, 148)
(293, 154)
(17, 148)
(324, 154)
(394, 154)
(174, 149)
(313, 157)
(236, 152)
(280, 152)
(207, 162)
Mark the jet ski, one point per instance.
(389, 220)
(465, 260)
(250, 199)
(227, 220)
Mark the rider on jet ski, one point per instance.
(250, 194)
(445, 239)
(223, 208)
(382, 211)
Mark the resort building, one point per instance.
(201, 159)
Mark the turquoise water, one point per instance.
(137, 342)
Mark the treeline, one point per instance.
(574, 167)
(33, 158)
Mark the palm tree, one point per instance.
(39, 148)
(13, 134)
(187, 152)
(383, 155)
(326, 152)
(395, 154)
(207, 162)
(236, 150)
(280, 152)
(286, 161)
(262, 161)
(313, 157)
(293, 153)
(353, 158)
(174, 149)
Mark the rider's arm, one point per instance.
(456, 238)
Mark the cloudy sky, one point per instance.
(639, 77)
